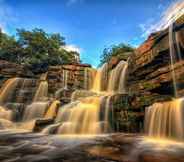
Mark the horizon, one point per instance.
(88, 26)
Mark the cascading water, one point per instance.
(82, 118)
(35, 110)
(8, 89)
(52, 110)
(100, 79)
(41, 92)
(65, 79)
(117, 78)
(15, 97)
(88, 113)
(5, 114)
(172, 57)
(166, 120)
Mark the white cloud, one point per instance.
(6, 15)
(72, 47)
(169, 15)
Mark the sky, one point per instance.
(87, 25)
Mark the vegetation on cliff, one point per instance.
(35, 48)
(120, 51)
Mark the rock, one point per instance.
(41, 123)
(150, 73)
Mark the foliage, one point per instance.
(120, 51)
(35, 48)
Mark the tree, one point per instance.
(119, 51)
(9, 48)
(35, 48)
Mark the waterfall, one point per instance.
(88, 113)
(35, 110)
(41, 92)
(5, 114)
(65, 79)
(165, 120)
(172, 58)
(52, 110)
(117, 78)
(86, 71)
(89, 75)
(7, 90)
(80, 117)
(122, 82)
(100, 79)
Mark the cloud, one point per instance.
(6, 16)
(72, 47)
(169, 15)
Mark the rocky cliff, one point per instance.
(150, 71)
(11, 70)
(150, 76)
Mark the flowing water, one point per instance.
(52, 110)
(100, 79)
(41, 92)
(117, 78)
(88, 113)
(7, 90)
(166, 120)
(65, 79)
(35, 110)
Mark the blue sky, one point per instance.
(87, 25)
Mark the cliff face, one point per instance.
(150, 76)
(150, 71)
(10, 70)
(63, 80)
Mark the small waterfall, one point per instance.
(88, 113)
(78, 94)
(166, 120)
(100, 79)
(80, 117)
(7, 90)
(86, 71)
(35, 110)
(42, 92)
(65, 79)
(89, 75)
(117, 78)
(172, 58)
(122, 82)
(52, 110)
(5, 114)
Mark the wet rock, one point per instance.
(41, 123)
(150, 74)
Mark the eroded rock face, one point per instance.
(65, 79)
(150, 71)
(10, 70)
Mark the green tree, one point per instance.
(35, 49)
(9, 48)
(121, 51)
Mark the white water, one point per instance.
(35, 110)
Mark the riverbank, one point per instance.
(18, 146)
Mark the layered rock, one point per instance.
(65, 79)
(150, 71)
(11, 70)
